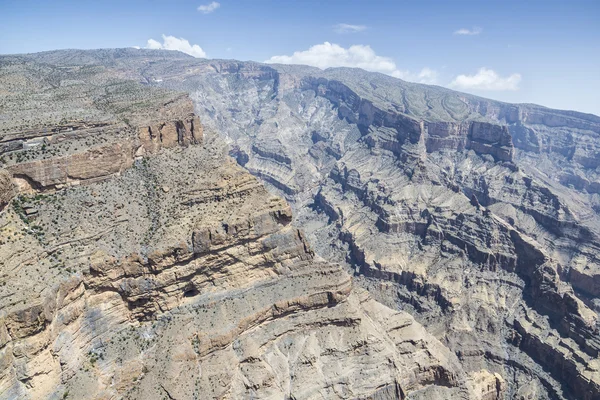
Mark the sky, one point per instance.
(544, 52)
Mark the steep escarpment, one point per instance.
(479, 218)
(6, 188)
(228, 304)
(138, 261)
(172, 271)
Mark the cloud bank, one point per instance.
(328, 55)
(486, 79)
(348, 28)
(208, 8)
(173, 43)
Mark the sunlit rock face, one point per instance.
(138, 260)
(480, 218)
(435, 245)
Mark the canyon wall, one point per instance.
(137, 260)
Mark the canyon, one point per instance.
(180, 228)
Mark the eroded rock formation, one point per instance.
(7, 189)
(168, 271)
(138, 261)
(479, 218)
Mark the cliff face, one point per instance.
(479, 218)
(137, 260)
(7, 189)
(140, 261)
(224, 301)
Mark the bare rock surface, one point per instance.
(139, 261)
(7, 189)
(471, 228)
(477, 217)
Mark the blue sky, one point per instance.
(544, 52)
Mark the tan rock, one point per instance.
(7, 188)
(487, 385)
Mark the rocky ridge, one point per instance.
(138, 261)
(479, 218)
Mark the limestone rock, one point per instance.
(460, 210)
(472, 224)
(7, 189)
(154, 266)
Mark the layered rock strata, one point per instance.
(473, 215)
(138, 261)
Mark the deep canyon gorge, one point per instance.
(181, 228)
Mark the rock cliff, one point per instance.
(438, 245)
(137, 260)
(479, 218)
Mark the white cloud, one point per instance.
(426, 75)
(347, 28)
(486, 79)
(173, 43)
(208, 8)
(154, 44)
(328, 55)
(464, 31)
